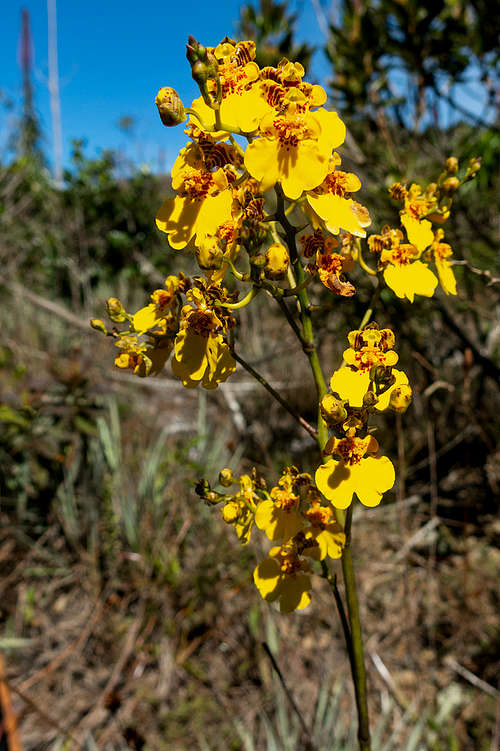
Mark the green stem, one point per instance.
(358, 663)
(353, 635)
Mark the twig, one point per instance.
(288, 694)
(477, 682)
(490, 368)
(416, 538)
(480, 272)
(8, 721)
(275, 394)
(47, 718)
(48, 305)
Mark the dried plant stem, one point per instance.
(258, 377)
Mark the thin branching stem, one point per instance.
(260, 378)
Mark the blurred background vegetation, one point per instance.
(129, 618)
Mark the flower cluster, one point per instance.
(290, 514)
(195, 332)
(367, 384)
(252, 130)
(259, 171)
(405, 264)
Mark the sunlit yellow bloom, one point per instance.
(293, 150)
(200, 353)
(325, 530)
(410, 279)
(332, 202)
(419, 231)
(406, 276)
(202, 359)
(284, 575)
(417, 206)
(366, 476)
(369, 348)
(164, 301)
(204, 202)
(143, 360)
(352, 385)
(441, 252)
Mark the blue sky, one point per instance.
(113, 57)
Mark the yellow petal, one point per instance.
(351, 385)
(332, 131)
(261, 160)
(177, 217)
(411, 279)
(301, 168)
(267, 578)
(159, 357)
(216, 210)
(446, 277)
(419, 232)
(190, 361)
(372, 477)
(335, 481)
(220, 366)
(295, 593)
(244, 109)
(383, 399)
(337, 213)
(145, 319)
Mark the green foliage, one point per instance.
(273, 27)
(430, 44)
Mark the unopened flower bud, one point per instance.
(400, 398)
(451, 165)
(170, 107)
(226, 477)
(98, 325)
(209, 253)
(369, 400)
(201, 488)
(382, 376)
(204, 67)
(332, 409)
(277, 261)
(450, 185)
(474, 165)
(115, 310)
(231, 512)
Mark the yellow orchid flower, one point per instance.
(284, 576)
(366, 476)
